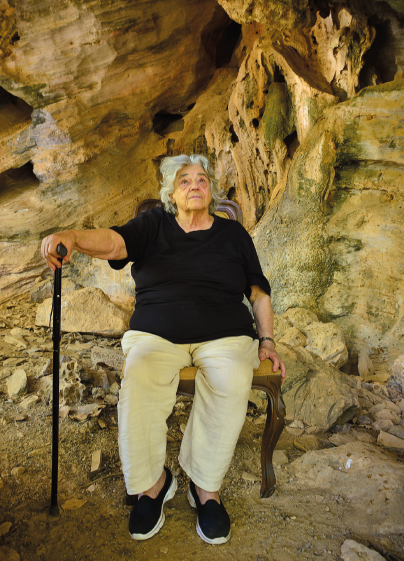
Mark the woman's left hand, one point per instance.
(267, 350)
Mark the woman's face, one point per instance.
(191, 189)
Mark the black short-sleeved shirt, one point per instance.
(190, 286)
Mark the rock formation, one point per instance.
(298, 104)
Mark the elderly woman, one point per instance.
(191, 270)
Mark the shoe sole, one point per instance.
(160, 522)
(215, 541)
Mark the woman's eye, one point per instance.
(202, 180)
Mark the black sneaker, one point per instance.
(213, 524)
(147, 517)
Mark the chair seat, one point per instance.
(264, 369)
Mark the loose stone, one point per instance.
(17, 383)
(384, 424)
(397, 431)
(17, 471)
(4, 528)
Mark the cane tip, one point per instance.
(53, 513)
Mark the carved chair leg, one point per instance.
(273, 427)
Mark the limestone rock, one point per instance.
(294, 338)
(299, 317)
(99, 379)
(88, 310)
(327, 340)
(259, 399)
(4, 528)
(390, 441)
(397, 431)
(111, 357)
(44, 289)
(307, 442)
(111, 399)
(21, 332)
(386, 404)
(315, 392)
(341, 439)
(382, 425)
(71, 388)
(354, 551)
(29, 401)
(17, 383)
(365, 365)
(270, 12)
(48, 368)
(16, 340)
(279, 458)
(325, 226)
(398, 367)
(8, 554)
(281, 326)
(386, 414)
(359, 471)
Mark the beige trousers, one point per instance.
(148, 394)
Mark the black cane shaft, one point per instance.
(57, 297)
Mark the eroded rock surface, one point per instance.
(315, 392)
(87, 310)
(357, 471)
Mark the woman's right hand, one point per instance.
(50, 243)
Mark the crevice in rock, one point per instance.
(227, 44)
(13, 110)
(379, 61)
(322, 7)
(165, 123)
(231, 193)
(278, 74)
(292, 143)
(234, 137)
(15, 181)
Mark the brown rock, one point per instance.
(17, 471)
(306, 443)
(359, 471)
(386, 414)
(354, 551)
(88, 310)
(382, 425)
(365, 365)
(281, 325)
(327, 340)
(8, 554)
(390, 441)
(110, 357)
(17, 383)
(294, 338)
(16, 341)
(299, 317)
(315, 392)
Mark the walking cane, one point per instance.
(57, 295)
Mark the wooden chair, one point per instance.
(264, 379)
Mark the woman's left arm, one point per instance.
(264, 321)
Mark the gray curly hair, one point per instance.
(169, 168)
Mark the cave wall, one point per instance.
(299, 104)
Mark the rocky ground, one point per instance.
(344, 484)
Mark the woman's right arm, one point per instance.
(102, 243)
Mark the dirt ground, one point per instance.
(293, 524)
